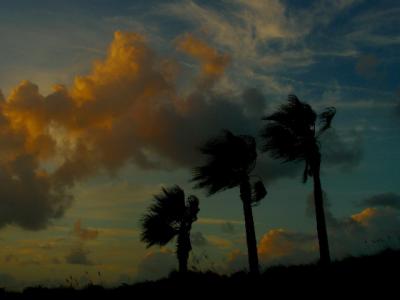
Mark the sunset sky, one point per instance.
(104, 102)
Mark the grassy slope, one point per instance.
(377, 274)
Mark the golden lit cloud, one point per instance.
(213, 63)
(365, 215)
(126, 109)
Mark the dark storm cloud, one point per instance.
(341, 153)
(27, 198)
(382, 200)
(255, 103)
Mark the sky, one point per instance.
(104, 102)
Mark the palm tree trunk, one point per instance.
(245, 195)
(325, 258)
(183, 248)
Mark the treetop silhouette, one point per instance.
(171, 215)
(292, 134)
(230, 160)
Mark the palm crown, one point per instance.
(292, 133)
(167, 215)
(230, 159)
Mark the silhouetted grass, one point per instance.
(375, 274)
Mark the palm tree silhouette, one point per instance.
(231, 159)
(171, 215)
(292, 135)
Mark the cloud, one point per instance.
(372, 27)
(84, 234)
(219, 242)
(126, 110)
(382, 200)
(237, 260)
(130, 108)
(200, 240)
(255, 103)
(78, 256)
(282, 246)
(265, 37)
(156, 265)
(212, 63)
(28, 198)
(245, 30)
(367, 231)
(339, 151)
(354, 234)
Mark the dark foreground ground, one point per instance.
(376, 276)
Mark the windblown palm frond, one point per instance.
(192, 208)
(289, 130)
(161, 223)
(325, 119)
(230, 157)
(258, 192)
(290, 133)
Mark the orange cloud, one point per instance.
(127, 109)
(213, 63)
(273, 244)
(365, 215)
(280, 243)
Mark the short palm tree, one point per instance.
(171, 215)
(231, 159)
(291, 134)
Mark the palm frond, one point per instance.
(156, 231)
(282, 142)
(258, 192)
(325, 119)
(307, 171)
(290, 130)
(161, 222)
(192, 208)
(230, 157)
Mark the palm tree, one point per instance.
(171, 215)
(291, 134)
(231, 159)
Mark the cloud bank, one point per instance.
(131, 108)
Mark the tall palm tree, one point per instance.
(171, 215)
(231, 159)
(291, 134)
